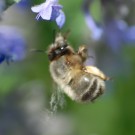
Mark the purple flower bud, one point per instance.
(12, 44)
(50, 10)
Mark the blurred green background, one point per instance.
(111, 114)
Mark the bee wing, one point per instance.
(95, 71)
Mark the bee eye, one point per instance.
(63, 46)
(51, 56)
(58, 51)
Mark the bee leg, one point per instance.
(84, 69)
(68, 63)
(83, 52)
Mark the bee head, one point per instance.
(59, 48)
(57, 52)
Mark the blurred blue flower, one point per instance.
(50, 10)
(115, 32)
(24, 3)
(96, 31)
(12, 44)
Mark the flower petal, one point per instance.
(57, 6)
(12, 44)
(55, 12)
(52, 1)
(60, 20)
(37, 8)
(129, 35)
(95, 30)
(46, 13)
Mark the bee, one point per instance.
(81, 83)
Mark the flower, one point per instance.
(50, 10)
(117, 32)
(114, 32)
(12, 44)
(24, 3)
(96, 31)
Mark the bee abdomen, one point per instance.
(100, 92)
(89, 93)
(94, 91)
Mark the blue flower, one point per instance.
(50, 10)
(114, 32)
(117, 32)
(24, 3)
(129, 35)
(12, 45)
(96, 31)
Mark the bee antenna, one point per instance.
(35, 50)
(66, 34)
(91, 57)
(110, 78)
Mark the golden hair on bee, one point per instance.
(81, 83)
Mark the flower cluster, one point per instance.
(114, 30)
(12, 44)
(50, 10)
